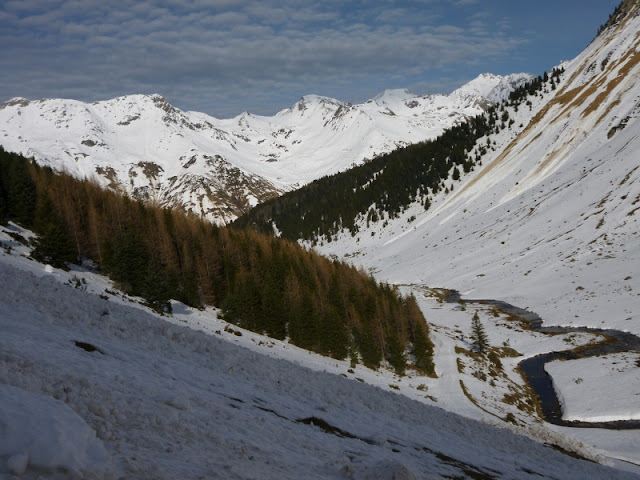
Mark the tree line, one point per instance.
(618, 13)
(262, 283)
(381, 189)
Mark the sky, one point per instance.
(224, 57)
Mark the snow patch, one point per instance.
(39, 431)
(598, 389)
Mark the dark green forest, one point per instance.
(265, 284)
(384, 187)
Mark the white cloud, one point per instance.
(218, 49)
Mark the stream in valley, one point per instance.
(539, 379)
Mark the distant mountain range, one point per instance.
(141, 145)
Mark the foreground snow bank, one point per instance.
(169, 402)
(40, 431)
(598, 389)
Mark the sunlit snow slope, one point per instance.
(551, 219)
(220, 168)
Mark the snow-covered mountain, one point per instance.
(551, 219)
(219, 168)
(550, 222)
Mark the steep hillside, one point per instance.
(264, 284)
(550, 219)
(92, 385)
(219, 168)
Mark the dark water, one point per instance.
(539, 379)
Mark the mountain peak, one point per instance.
(393, 96)
(479, 86)
(20, 101)
(312, 100)
(494, 88)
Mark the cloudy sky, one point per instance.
(223, 57)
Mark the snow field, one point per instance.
(583, 384)
(42, 432)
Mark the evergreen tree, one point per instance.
(127, 262)
(478, 335)
(275, 316)
(156, 287)
(54, 247)
(422, 348)
(303, 326)
(3, 204)
(396, 356)
(19, 188)
(244, 303)
(368, 346)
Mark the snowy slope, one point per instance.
(222, 167)
(144, 398)
(550, 220)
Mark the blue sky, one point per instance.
(224, 57)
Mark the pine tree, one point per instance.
(422, 349)
(55, 247)
(127, 262)
(478, 335)
(303, 323)
(395, 354)
(273, 307)
(156, 288)
(368, 347)
(3, 204)
(20, 190)
(337, 338)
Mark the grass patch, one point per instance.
(507, 352)
(439, 294)
(494, 358)
(531, 396)
(474, 401)
(521, 321)
(632, 58)
(582, 350)
(464, 351)
(521, 400)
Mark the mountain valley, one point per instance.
(509, 208)
(143, 146)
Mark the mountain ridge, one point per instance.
(151, 150)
